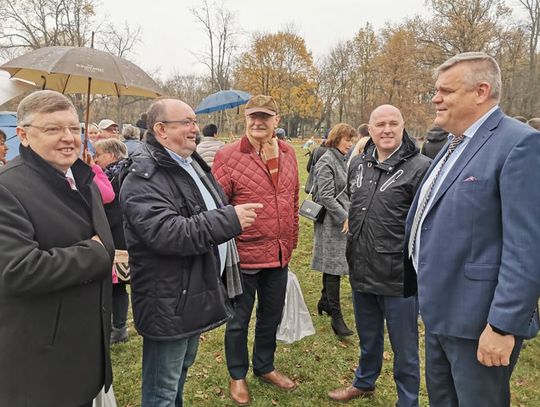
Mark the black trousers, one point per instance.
(120, 305)
(270, 286)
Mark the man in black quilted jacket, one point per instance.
(382, 182)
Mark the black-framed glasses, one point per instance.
(185, 122)
(54, 130)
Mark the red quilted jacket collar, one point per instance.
(246, 147)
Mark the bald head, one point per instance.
(386, 126)
(173, 104)
(174, 125)
(385, 109)
(160, 110)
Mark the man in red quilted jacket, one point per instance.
(260, 168)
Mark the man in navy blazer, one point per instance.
(472, 237)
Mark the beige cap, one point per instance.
(262, 104)
(106, 123)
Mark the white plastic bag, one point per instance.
(105, 399)
(296, 322)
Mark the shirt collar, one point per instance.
(471, 131)
(71, 179)
(69, 174)
(179, 159)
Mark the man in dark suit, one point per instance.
(472, 239)
(55, 264)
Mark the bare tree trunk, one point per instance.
(533, 9)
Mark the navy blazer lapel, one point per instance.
(414, 204)
(481, 136)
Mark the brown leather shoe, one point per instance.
(239, 392)
(279, 380)
(346, 394)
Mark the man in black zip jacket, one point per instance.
(382, 182)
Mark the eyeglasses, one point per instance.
(260, 116)
(185, 122)
(52, 130)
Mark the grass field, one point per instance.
(318, 363)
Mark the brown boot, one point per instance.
(346, 394)
(239, 392)
(279, 380)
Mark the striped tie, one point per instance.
(71, 183)
(423, 205)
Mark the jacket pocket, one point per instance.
(473, 185)
(482, 272)
(388, 261)
(56, 324)
(389, 246)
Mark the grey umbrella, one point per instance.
(82, 70)
(67, 70)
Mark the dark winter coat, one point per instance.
(271, 239)
(436, 138)
(113, 209)
(55, 285)
(172, 239)
(314, 156)
(381, 194)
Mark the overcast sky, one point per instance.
(171, 35)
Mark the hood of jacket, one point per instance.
(407, 149)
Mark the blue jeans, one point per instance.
(401, 314)
(164, 370)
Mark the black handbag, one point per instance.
(312, 210)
